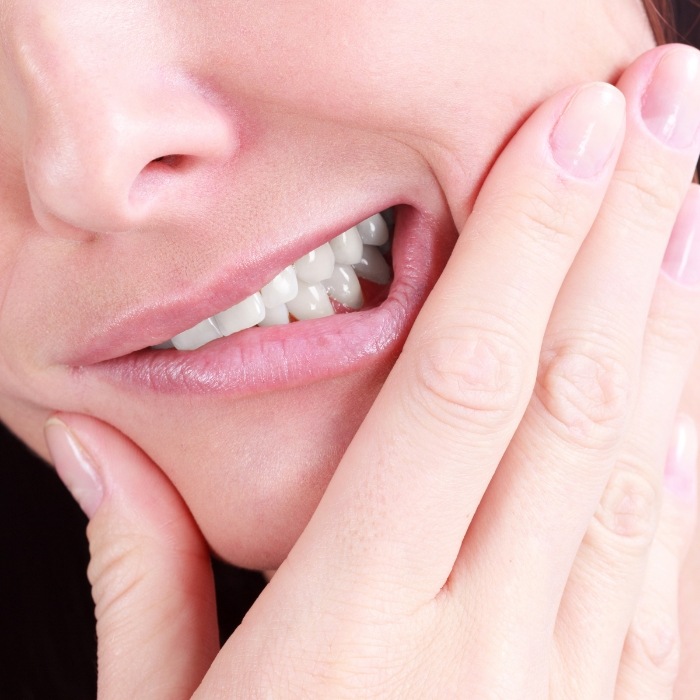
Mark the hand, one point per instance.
(490, 528)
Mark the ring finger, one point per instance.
(612, 559)
(649, 664)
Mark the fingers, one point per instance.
(551, 478)
(423, 457)
(149, 569)
(649, 663)
(612, 559)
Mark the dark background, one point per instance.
(47, 639)
(688, 21)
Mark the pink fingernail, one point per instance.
(671, 102)
(680, 476)
(585, 136)
(73, 466)
(682, 258)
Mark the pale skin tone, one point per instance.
(398, 98)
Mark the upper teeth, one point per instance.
(304, 289)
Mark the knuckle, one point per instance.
(654, 643)
(650, 190)
(116, 570)
(585, 394)
(464, 376)
(628, 509)
(540, 212)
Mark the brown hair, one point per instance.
(674, 20)
(662, 17)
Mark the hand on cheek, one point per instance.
(488, 529)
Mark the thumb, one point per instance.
(149, 566)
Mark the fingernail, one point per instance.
(584, 138)
(682, 259)
(671, 102)
(681, 463)
(73, 466)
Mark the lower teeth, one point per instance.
(307, 289)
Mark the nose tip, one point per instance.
(111, 166)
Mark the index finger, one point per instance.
(404, 494)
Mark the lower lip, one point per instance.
(266, 359)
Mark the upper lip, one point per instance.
(152, 321)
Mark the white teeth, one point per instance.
(311, 302)
(194, 338)
(374, 231)
(344, 287)
(281, 289)
(373, 267)
(304, 290)
(316, 265)
(347, 247)
(276, 316)
(245, 314)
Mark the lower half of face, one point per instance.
(202, 176)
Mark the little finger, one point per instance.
(649, 663)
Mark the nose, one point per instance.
(108, 152)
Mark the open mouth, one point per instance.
(339, 276)
(253, 347)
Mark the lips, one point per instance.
(263, 359)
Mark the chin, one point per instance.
(253, 496)
(252, 471)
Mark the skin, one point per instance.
(443, 129)
(437, 135)
(384, 595)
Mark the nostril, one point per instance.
(158, 179)
(172, 161)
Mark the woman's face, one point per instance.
(162, 160)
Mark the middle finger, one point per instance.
(551, 478)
